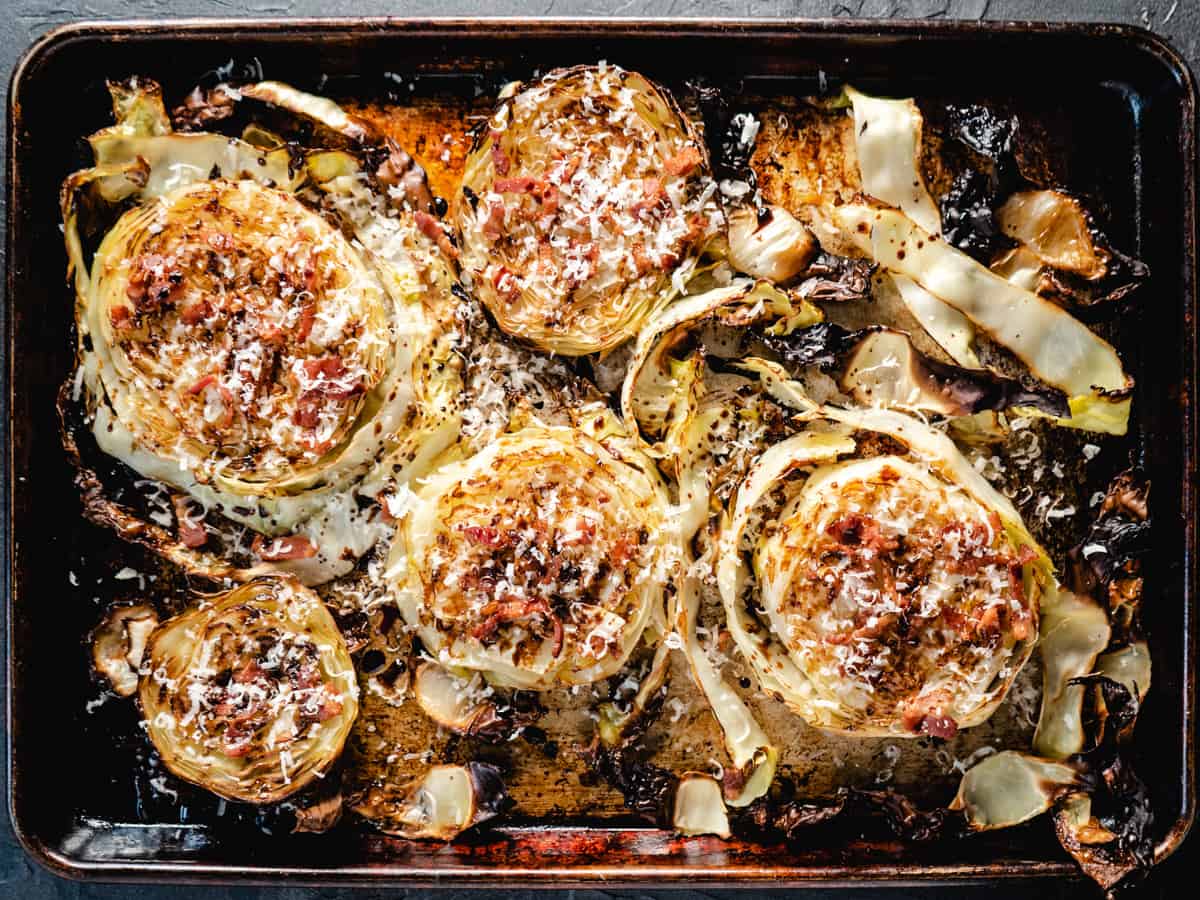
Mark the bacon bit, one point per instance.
(924, 714)
(208, 381)
(484, 584)
(695, 229)
(499, 161)
(520, 184)
(307, 677)
(202, 384)
(248, 673)
(565, 169)
(428, 225)
(956, 620)
(506, 283)
(121, 318)
(484, 535)
(330, 708)
(683, 162)
(220, 241)
(401, 171)
(283, 548)
(271, 333)
(308, 317)
(493, 225)
(547, 195)
(546, 263)
(500, 612)
(939, 727)
(993, 518)
(653, 194)
(196, 313)
(192, 532)
(236, 744)
(1015, 579)
(857, 530)
(432, 228)
(989, 621)
(328, 372)
(641, 261)
(1021, 624)
(153, 280)
(622, 552)
(587, 534)
(871, 632)
(588, 252)
(308, 411)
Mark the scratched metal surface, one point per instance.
(24, 20)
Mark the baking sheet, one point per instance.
(432, 80)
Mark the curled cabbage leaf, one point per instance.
(119, 644)
(1008, 788)
(240, 349)
(252, 693)
(769, 243)
(541, 560)
(887, 141)
(886, 595)
(1054, 227)
(584, 205)
(441, 805)
(1075, 631)
(1057, 348)
(699, 807)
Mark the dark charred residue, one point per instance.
(836, 279)
(647, 789)
(969, 207)
(723, 136)
(781, 815)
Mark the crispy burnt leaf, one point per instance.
(772, 817)
(780, 816)
(647, 789)
(835, 279)
(201, 108)
(905, 819)
(1114, 710)
(969, 208)
(1107, 561)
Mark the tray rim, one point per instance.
(584, 876)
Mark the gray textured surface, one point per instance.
(22, 21)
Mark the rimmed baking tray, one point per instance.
(1122, 99)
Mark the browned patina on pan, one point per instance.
(575, 851)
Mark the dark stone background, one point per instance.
(21, 21)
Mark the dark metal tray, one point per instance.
(1125, 100)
